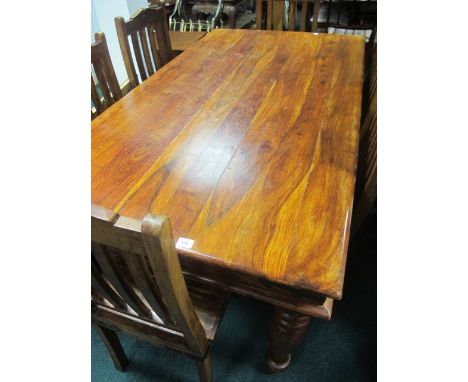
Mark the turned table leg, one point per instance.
(286, 332)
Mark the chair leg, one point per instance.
(205, 369)
(113, 346)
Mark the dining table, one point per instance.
(248, 142)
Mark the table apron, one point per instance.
(300, 301)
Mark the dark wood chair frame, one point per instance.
(264, 14)
(138, 288)
(105, 75)
(366, 179)
(149, 32)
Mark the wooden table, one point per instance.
(248, 142)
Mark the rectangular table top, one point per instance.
(248, 142)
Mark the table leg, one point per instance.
(286, 332)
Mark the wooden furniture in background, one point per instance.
(230, 9)
(149, 34)
(270, 14)
(105, 76)
(138, 288)
(254, 161)
(179, 41)
(366, 179)
(349, 17)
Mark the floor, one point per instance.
(343, 349)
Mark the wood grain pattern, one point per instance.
(255, 160)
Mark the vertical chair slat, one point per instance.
(259, 14)
(95, 97)
(280, 16)
(338, 17)
(121, 287)
(146, 54)
(305, 4)
(328, 13)
(138, 58)
(104, 289)
(154, 47)
(98, 69)
(269, 21)
(125, 50)
(292, 15)
(315, 16)
(139, 270)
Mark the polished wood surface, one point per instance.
(105, 76)
(138, 288)
(254, 160)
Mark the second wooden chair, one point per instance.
(105, 88)
(149, 33)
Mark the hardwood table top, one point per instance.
(248, 141)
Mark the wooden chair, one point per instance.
(105, 76)
(273, 15)
(366, 179)
(149, 33)
(138, 288)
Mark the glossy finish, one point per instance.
(248, 142)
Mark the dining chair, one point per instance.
(282, 15)
(137, 287)
(105, 88)
(366, 179)
(149, 34)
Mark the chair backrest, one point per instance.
(348, 17)
(149, 33)
(366, 177)
(279, 15)
(137, 280)
(109, 89)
